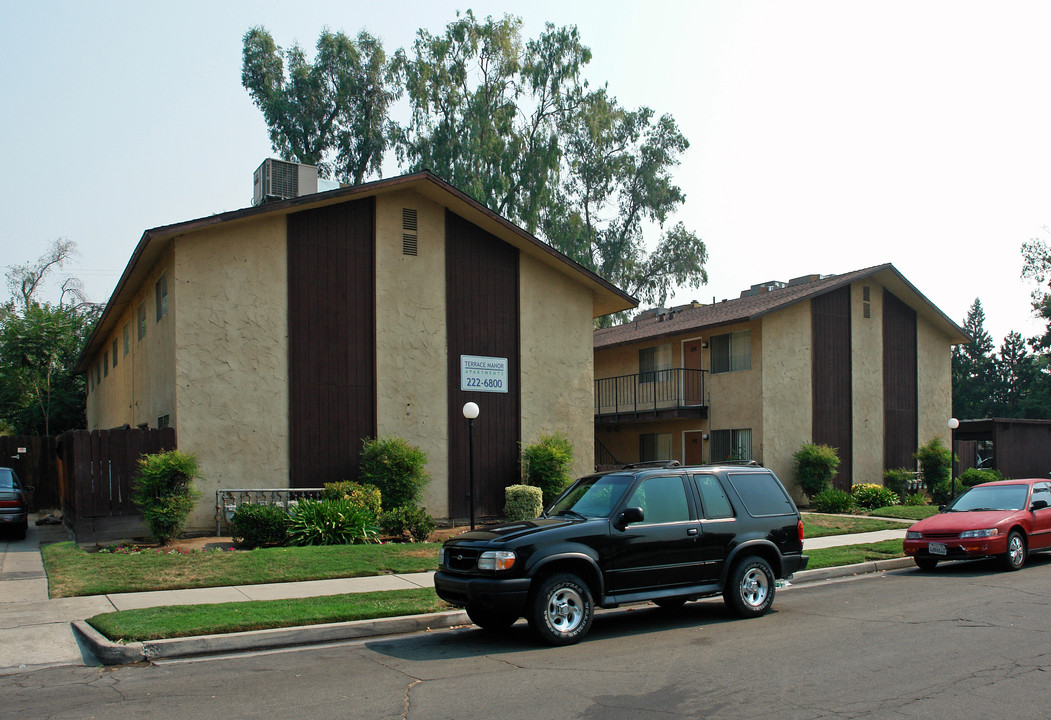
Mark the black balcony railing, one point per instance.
(654, 391)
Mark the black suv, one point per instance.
(666, 535)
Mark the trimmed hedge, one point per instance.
(522, 502)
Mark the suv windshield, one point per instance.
(594, 496)
(993, 497)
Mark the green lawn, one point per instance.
(72, 571)
(906, 512)
(816, 525)
(188, 620)
(853, 554)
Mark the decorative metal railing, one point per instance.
(226, 501)
(650, 391)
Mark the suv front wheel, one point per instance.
(749, 589)
(561, 609)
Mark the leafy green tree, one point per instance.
(973, 368)
(331, 113)
(486, 109)
(39, 347)
(618, 179)
(509, 121)
(1015, 392)
(1036, 266)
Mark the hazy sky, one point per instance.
(825, 136)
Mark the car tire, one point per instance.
(491, 620)
(749, 590)
(1017, 551)
(926, 564)
(561, 610)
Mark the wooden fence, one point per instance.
(96, 470)
(33, 458)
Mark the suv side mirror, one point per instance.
(629, 516)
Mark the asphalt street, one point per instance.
(965, 641)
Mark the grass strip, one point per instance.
(189, 620)
(72, 571)
(853, 554)
(906, 512)
(816, 525)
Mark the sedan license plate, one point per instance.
(936, 548)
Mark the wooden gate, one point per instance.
(96, 470)
(33, 458)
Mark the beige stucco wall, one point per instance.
(867, 382)
(411, 337)
(736, 396)
(787, 390)
(555, 330)
(933, 383)
(142, 386)
(230, 293)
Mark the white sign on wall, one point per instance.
(483, 374)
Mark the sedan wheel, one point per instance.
(1015, 556)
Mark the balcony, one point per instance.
(657, 395)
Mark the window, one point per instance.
(731, 352)
(127, 339)
(662, 499)
(652, 361)
(163, 421)
(114, 348)
(654, 446)
(713, 497)
(140, 320)
(105, 364)
(761, 494)
(731, 445)
(161, 296)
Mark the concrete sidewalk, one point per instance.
(37, 632)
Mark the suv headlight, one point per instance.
(987, 532)
(496, 560)
(441, 556)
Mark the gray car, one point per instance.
(14, 504)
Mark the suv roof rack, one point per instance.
(651, 464)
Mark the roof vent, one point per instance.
(803, 280)
(763, 287)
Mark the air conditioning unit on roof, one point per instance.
(280, 180)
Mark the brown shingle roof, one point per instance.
(755, 306)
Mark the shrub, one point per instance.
(164, 491)
(934, 461)
(407, 519)
(916, 499)
(941, 493)
(545, 464)
(397, 468)
(523, 502)
(973, 476)
(255, 526)
(330, 522)
(831, 500)
(366, 496)
(870, 496)
(816, 465)
(898, 480)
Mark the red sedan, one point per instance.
(1006, 519)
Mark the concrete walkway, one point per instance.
(37, 632)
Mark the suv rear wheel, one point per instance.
(561, 609)
(750, 587)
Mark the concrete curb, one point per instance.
(111, 653)
(831, 573)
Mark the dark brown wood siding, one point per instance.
(331, 340)
(832, 397)
(482, 315)
(900, 402)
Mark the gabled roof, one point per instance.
(607, 298)
(752, 307)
